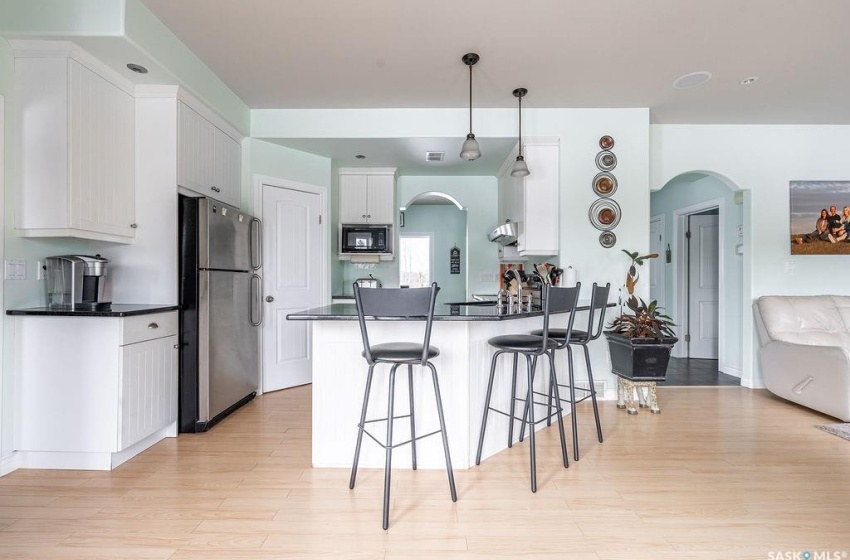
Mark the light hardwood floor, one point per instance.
(721, 473)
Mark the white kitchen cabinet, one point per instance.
(105, 390)
(77, 154)
(208, 159)
(367, 196)
(532, 202)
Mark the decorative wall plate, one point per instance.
(604, 184)
(606, 161)
(607, 239)
(606, 142)
(604, 214)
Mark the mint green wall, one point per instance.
(447, 225)
(479, 195)
(277, 161)
(682, 192)
(61, 17)
(18, 293)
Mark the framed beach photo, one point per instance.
(820, 217)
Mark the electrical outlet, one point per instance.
(15, 269)
(40, 270)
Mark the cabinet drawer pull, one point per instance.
(153, 326)
(177, 346)
(215, 189)
(134, 226)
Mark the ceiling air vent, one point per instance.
(434, 156)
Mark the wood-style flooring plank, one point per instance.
(720, 473)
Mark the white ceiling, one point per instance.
(568, 53)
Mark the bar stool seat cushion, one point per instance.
(520, 342)
(560, 334)
(400, 351)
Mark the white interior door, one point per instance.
(703, 283)
(657, 266)
(292, 257)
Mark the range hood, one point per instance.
(505, 234)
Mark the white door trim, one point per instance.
(679, 248)
(324, 242)
(662, 257)
(3, 388)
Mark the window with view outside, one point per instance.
(415, 261)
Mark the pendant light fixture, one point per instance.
(520, 168)
(470, 150)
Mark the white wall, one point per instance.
(761, 160)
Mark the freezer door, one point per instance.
(228, 356)
(229, 238)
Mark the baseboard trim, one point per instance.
(10, 463)
(89, 461)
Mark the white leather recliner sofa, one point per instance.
(805, 352)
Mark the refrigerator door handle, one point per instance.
(256, 303)
(259, 245)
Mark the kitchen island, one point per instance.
(463, 366)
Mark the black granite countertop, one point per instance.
(442, 312)
(113, 310)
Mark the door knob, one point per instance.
(269, 299)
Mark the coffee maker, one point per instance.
(76, 281)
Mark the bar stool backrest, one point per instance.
(396, 303)
(596, 315)
(559, 300)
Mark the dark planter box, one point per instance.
(639, 359)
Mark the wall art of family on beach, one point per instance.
(820, 217)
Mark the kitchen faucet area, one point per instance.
(457, 280)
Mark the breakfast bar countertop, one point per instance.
(442, 312)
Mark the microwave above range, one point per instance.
(362, 239)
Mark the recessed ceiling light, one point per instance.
(693, 79)
(748, 81)
(360, 156)
(138, 69)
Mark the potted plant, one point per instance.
(640, 340)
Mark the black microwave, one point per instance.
(365, 238)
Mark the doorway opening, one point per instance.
(697, 231)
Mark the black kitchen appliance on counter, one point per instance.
(220, 311)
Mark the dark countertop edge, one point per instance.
(306, 315)
(118, 310)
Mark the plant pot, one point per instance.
(639, 359)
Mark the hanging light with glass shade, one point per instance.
(520, 168)
(470, 149)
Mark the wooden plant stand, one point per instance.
(634, 394)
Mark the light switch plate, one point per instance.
(15, 269)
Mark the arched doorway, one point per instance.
(700, 216)
(433, 244)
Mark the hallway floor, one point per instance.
(693, 372)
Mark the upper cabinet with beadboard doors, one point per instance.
(77, 147)
(208, 159)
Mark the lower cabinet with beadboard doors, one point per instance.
(94, 391)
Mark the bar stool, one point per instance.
(595, 323)
(407, 304)
(555, 300)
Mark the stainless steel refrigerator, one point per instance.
(220, 311)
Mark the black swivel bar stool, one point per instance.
(555, 300)
(409, 304)
(595, 324)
